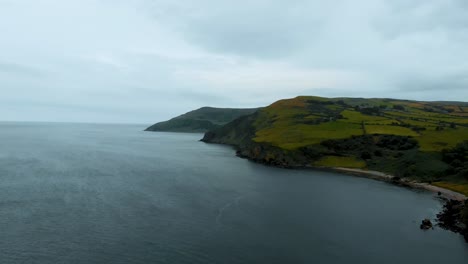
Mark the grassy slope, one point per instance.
(301, 125)
(288, 123)
(201, 120)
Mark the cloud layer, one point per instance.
(144, 61)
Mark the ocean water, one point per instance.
(86, 193)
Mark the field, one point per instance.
(303, 121)
(299, 135)
(438, 140)
(357, 117)
(390, 130)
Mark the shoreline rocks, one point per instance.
(426, 224)
(451, 217)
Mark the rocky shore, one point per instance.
(442, 192)
(454, 217)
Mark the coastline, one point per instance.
(455, 204)
(376, 175)
(444, 193)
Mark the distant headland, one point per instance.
(200, 120)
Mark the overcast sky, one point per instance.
(143, 61)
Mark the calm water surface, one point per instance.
(114, 194)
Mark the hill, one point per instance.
(201, 120)
(423, 141)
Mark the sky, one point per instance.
(143, 61)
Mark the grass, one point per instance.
(437, 140)
(335, 161)
(383, 122)
(415, 105)
(461, 114)
(425, 124)
(390, 130)
(354, 116)
(456, 187)
(456, 120)
(299, 135)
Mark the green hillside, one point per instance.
(201, 120)
(409, 139)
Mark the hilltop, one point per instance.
(423, 141)
(201, 120)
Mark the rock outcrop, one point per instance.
(426, 224)
(454, 217)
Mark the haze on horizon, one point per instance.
(144, 61)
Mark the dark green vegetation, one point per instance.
(457, 157)
(424, 141)
(201, 120)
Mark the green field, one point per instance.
(390, 130)
(356, 117)
(299, 135)
(439, 140)
(289, 124)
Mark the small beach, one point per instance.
(445, 193)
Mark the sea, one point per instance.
(112, 193)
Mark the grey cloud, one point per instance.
(255, 28)
(13, 68)
(447, 83)
(412, 17)
(147, 60)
